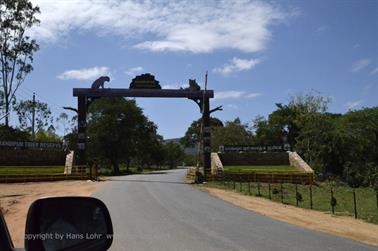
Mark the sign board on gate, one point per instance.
(255, 148)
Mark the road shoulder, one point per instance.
(343, 226)
(16, 198)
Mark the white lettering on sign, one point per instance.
(30, 144)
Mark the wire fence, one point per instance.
(335, 198)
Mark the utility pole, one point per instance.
(33, 117)
(200, 136)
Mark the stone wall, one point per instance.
(297, 162)
(216, 164)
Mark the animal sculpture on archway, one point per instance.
(100, 82)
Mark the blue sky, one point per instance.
(257, 53)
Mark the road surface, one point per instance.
(160, 212)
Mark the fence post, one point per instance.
(296, 194)
(258, 189)
(354, 203)
(282, 201)
(310, 196)
(333, 201)
(249, 185)
(240, 184)
(270, 195)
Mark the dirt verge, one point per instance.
(15, 200)
(338, 225)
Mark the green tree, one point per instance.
(148, 145)
(292, 117)
(323, 143)
(10, 133)
(232, 133)
(193, 133)
(24, 110)
(113, 126)
(174, 154)
(48, 135)
(362, 128)
(16, 48)
(265, 133)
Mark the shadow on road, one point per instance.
(150, 181)
(152, 173)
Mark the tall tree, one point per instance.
(63, 120)
(232, 133)
(291, 118)
(113, 126)
(174, 154)
(193, 135)
(16, 48)
(266, 133)
(25, 110)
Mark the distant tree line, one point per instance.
(341, 145)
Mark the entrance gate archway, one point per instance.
(201, 97)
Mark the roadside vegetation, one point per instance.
(341, 146)
(366, 200)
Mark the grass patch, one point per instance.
(321, 197)
(30, 170)
(260, 169)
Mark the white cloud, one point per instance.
(228, 94)
(237, 65)
(85, 73)
(253, 95)
(322, 28)
(134, 70)
(232, 106)
(170, 87)
(352, 104)
(195, 26)
(360, 64)
(374, 71)
(234, 95)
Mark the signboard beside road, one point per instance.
(30, 145)
(255, 148)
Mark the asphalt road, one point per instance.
(160, 212)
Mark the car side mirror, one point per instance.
(68, 223)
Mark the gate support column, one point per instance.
(81, 127)
(206, 135)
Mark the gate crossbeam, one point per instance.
(144, 93)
